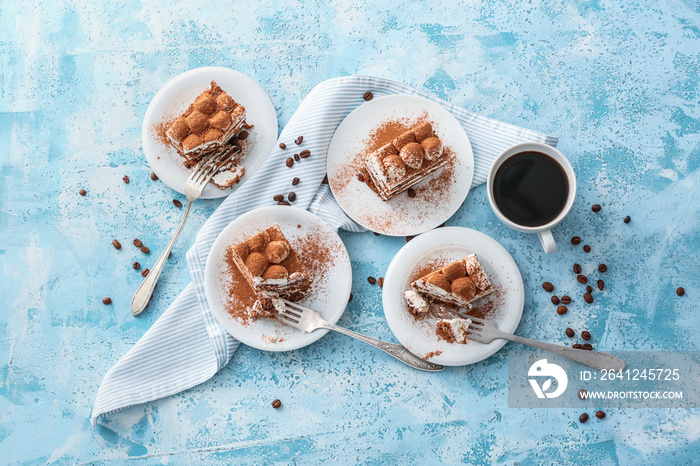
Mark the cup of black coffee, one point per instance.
(531, 188)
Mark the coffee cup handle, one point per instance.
(547, 241)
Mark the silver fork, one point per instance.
(200, 176)
(485, 331)
(307, 320)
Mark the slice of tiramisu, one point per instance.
(209, 122)
(460, 283)
(271, 266)
(405, 161)
(453, 330)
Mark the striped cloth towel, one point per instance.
(186, 346)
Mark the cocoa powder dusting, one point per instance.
(160, 129)
(432, 354)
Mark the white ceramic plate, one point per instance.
(174, 98)
(442, 246)
(401, 215)
(329, 294)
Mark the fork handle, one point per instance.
(144, 292)
(594, 359)
(397, 351)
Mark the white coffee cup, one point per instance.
(544, 232)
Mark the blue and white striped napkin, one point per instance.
(186, 346)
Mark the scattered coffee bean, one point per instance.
(82, 192)
(570, 332)
(290, 162)
(150, 297)
(586, 335)
(304, 154)
(154, 177)
(600, 414)
(371, 280)
(582, 279)
(144, 272)
(602, 268)
(138, 243)
(411, 192)
(283, 203)
(368, 96)
(278, 197)
(380, 282)
(586, 248)
(296, 157)
(596, 208)
(577, 268)
(116, 244)
(177, 203)
(295, 181)
(283, 146)
(575, 240)
(589, 288)
(243, 135)
(587, 347)
(561, 310)
(277, 404)
(292, 196)
(566, 299)
(555, 299)
(583, 418)
(125, 179)
(350, 298)
(136, 265)
(582, 394)
(409, 238)
(548, 287)
(588, 298)
(627, 219)
(299, 140)
(361, 177)
(145, 250)
(106, 300)
(324, 180)
(680, 291)
(376, 234)
(601, 284)
(577, 346)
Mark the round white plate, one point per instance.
(329, 295)
(443, 246)
(174, 98)
(400, 215)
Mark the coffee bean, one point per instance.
(177, 203)
(566, 300)
(376, 234)
(371, 280)
(299, 140)
(136, 265)
(283, 145)
(602, 268)
(589, 288)
(82, 192)
(125, 179)
(290, 162)
(586, 248)
(577, 346)
(304, 154)
(116, 244)
(577, 268)
(583, 418)
(277, 404)
(380, 282)
(144, 272)
(575, 240)
(409, 238)
(107, 301)
(361, 177)
(680, 291)
(601, 284)
(582, 394)
(582, 279)
(145, 250)
(599, 414)
(586, 335)
(243, 135)
(555, 300)
(588, 298)
(570, 332)
(411, 192)
(596, 208)
(350, 298)
(548, 287)
(627, 219)
(138, 243)
(235, 141)
(587, 347)
(295, 181)
(283, 203)
(292, 196)
(154, 177)
(561, 310)
(368, 96)
(278, 197)
(324, 180)
(296, 157)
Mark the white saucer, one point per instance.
(174, 98)
(401, 215)
(329, 295)
(448, 245)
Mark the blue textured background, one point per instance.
(617, 81)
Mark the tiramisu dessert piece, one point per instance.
(271, 266)
(209, 122)
(405, 161)
(460, 283)
(416, 304)
(453, 330)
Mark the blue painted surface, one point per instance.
(617, 81)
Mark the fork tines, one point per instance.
(212, 163)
